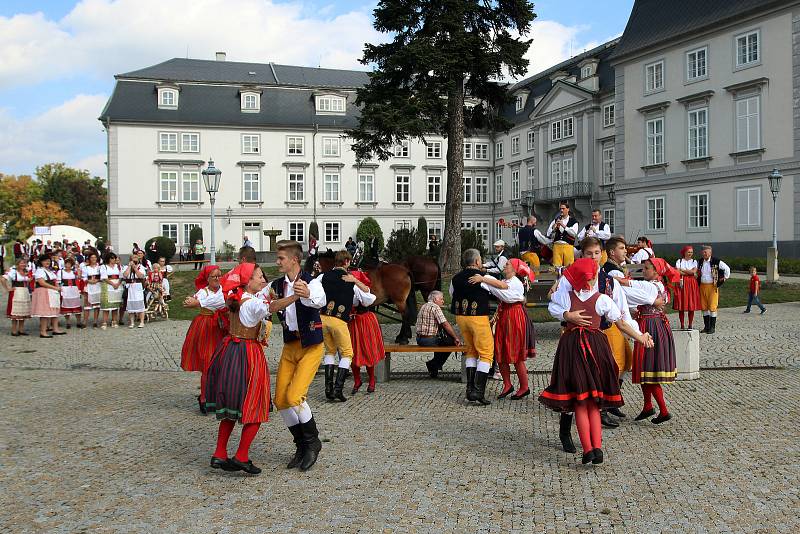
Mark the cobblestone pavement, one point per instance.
(95, 441)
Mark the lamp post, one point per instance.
(775, 179)
(211, 178)
(229, 213)
(612, 195)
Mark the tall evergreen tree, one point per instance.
(443, 54)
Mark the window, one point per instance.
(297, 231)
(330, 104)
(655, 214)
(498, 188)
(566, 170)
(696, 64)
(609, 216)
(401, 149)
(482, 189)
(747, 51)
(436, 228)
(568, 127)
(519, 103)
(190, 142)
(297, 183)
(168, 141)
(481, 150)
(331, 181)
(748, 207)
(330, 147)
(608, 165)
(515, 145)
(468, 188)
(366, 187)
(555, 172)
(467, 225)
(434, 188)
(467, 150)
(295, 146)
(250, 101)
(748, 128)
(654, 76)
(434, 149)
(531, 140)
(170, 230)
(251, 144)
(698, 211)
(586, 71)
(402, 183)
(498, 150)
(187, 232)
(609, 119)
(190, 185)
(402, 224)
(655, 141)
(251, 186)
(515, 185)
(698, 133)
(168, 185)
(333, 232)
(555, 131)
(168, 98)
(531, 177)
(498, 231)
(482, 228)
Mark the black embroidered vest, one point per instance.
(468, 299)
(339, 294)
(308, 322)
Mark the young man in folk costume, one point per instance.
(645, 251)
(342, 291)
(530, 243)
(599, 229)
(496, 265)
(297, 298)
(711, 273)
(562, 232)
(470, 305)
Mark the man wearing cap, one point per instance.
(495, 266)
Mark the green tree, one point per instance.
(367, 229)
(472, 239)
(82, 196)
(195, 234)
(15, 193)
(422, 234)
(403, 243)
(164, 247)
(441, 53)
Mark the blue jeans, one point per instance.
(754, 299)
(439, 358)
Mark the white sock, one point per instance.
(344, 363)
(290, 417)
(303, 412)
(483, 367)
(328, 360)
(706, 313)
(471, 362)
(713, 314)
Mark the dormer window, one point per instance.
(586, 71)
(330, 104)
(251, 101)
(519, 103)
(168, 98)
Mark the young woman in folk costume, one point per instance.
(207, 328)
(687, 294)
(70, 293)
(585, 375)
(515, 336)
(365, 331)
(46, 301)
(90, 272)
(110, 290)
(135, 277)
(237, 381)
(17, 281)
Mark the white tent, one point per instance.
(60, 232)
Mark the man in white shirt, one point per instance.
(711, 273)
(599, 229)
(562, 231)
(495, 266)
(530, 243)
(645, 251)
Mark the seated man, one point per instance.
(495, 266)
(433, 329)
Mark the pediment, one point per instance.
(561, 95)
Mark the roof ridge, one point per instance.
(565, 63)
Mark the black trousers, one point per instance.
(197, 258)
(439, 358)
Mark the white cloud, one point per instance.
(95, 164)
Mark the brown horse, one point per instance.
(425, 274)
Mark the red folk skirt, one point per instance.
(515, 335)
(687, 298)
(656, 365)
(237, 383)
(367, 339)
(202, 338)
(584, 370)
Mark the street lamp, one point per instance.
(775, 179)
(211, 178)
(612, 195)
(228, 213)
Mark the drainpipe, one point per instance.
(107, 125)
(314, 169)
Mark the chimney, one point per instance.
(220, 56)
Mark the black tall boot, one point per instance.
(297, 434)
(470, 383)
(712, 325)
(705, 324)
(565, 432)
(341, 376)
(311, 444)
(480, 388)
(329, 372)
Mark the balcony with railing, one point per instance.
(558, 192)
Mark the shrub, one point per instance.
(422, 234)
(402, 244)
(367, 229)
(164, 247)
(228, 250)
(472, 239)
(195, 234)
(313, 230)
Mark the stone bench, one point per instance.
(383, 369)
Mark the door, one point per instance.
(253, 232)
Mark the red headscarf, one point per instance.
(684, 249)
(362, 277)
(201, 280)
(580, 272)
(665, 269)
(522, 268)
(234, 280)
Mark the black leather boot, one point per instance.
(329, 372)
(297, 434)
(311, 444)
(565, 432)
(712, 325)
(479, 393)
(606, 420)
(705, 324)
(470, 383)
(341, 376)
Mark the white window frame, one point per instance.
(330, 105)
(654, 142)
(331, 147)
(586, 71)
(187, 144)
(248, 146)
(515, 145)
(748, 117)
(433, 150)
(434, 188)
(189, 178)
(436, 228)
(251, 102)
(568, 128)
(402, 188)
(556, 131)
(696, 214)
(498, 188)
(294, 235)
(168, 141)
(498, 150)
(531, 140)
(366, 187)
(531, 177)
(331, 186)
(555, 172)
(402, 149)
(467, 152)
(327, 231)
(402, 224)
(608, 164)
(295, 145)
(697, 134)
(169, 234)
(748, 62)
(296, 185)
(468, 189)
(250, 176)
(515, 186)
(481, 189)
(162, 94)
(482, 151)
(749, 224)
(653, 225)
(567, 166)
(610, 217)
(171, 178)
(657, 77)
(519, 103)
(609, 115)
(187, 232)
(482, 227)
(694, 64)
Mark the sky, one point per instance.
(58, 58)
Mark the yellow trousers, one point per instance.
(336, 336)
(296, 370)
(709, 297)
(563, 254)
(478, 339)
(532, 259)
(603, 258)
(623, 352)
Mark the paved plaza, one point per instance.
(101, 433)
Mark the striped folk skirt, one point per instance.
(687, 295)
(202, 338)
(237, 383)
(515, 335)
(367, 339)
(584, 371)
(656, 365)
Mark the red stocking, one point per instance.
(582, 423)
(595, 427)
(647, 393)
(249, 432)
(680, 315)
(371, 374)
(505, 372)
(522, 376)
(691, 318)
(225, 429)
(658, 393)
(203, 387)
(356, 375)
